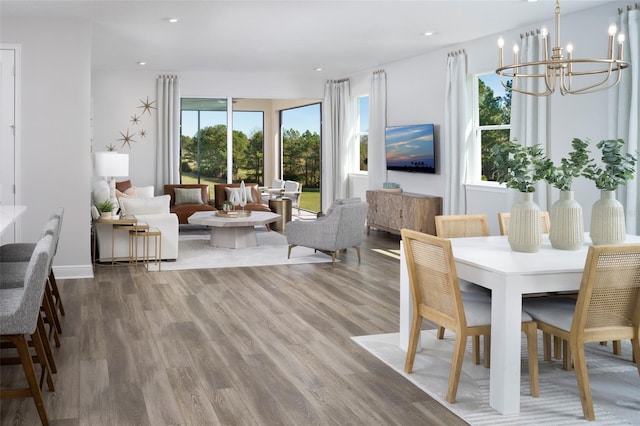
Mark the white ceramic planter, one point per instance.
(607, 220)
(524, 225)
(567, 223)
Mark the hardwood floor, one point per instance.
(237, 346)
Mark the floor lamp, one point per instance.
(111, 165)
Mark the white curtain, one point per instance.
(529, 113)
(168, 131)
(337, 144)
(377, 163)
(624, 104)
(457, 140)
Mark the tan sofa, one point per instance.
(183, 211)
(221, 196)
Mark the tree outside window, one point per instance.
(492, 118)
(363, 131)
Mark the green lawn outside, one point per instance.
(309, 200)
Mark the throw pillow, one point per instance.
(188, 196)
(145, 191)
(124, 185)
(140, 206)
(233, 195)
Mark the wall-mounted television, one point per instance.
(411, 148)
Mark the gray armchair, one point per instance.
(342, 227)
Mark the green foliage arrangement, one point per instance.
(562, 177)
(616, 167)
(519, 166)
(227, 205)
(105, 206)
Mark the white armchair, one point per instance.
(293, 190)
(342, 227)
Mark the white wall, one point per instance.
(55, 144)
(415, 94)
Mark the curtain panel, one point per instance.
(168, 131)
(624, 104)
(529, 113)
(338, 139)
(377, 162)
(457, 140)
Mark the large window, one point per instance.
(203, 142)
(362, 132)
(492, 121)
(301, 152)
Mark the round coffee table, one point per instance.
(233, 232)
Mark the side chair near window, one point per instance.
(503, 222)
(437, 297)
(21, 325)
(341, 228)
(607, 308)
(459, 226)
(293, 191)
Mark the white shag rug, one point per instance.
(615, 383)
(195, 252)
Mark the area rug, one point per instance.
(615, 384)
(195, 252)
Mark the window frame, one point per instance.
(474, 177)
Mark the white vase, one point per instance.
(567, 223)
(607, 220)
(524, 225)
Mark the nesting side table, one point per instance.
(146, 233)
(281, 206)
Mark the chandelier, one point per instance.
(560, 71)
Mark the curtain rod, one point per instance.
(629, 8)
(456, 52)
(378, 72)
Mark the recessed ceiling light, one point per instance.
(173, 20)
(428, 33)
(318, 69)
(142, 63)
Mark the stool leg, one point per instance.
(46, 345)
(56, 293)
(37, 338)
(48, 293)
(49, 318)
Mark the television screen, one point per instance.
(410, 148)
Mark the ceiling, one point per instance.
(295, 36)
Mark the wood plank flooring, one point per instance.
(238, 346)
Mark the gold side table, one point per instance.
(146, 233)
(281, 206)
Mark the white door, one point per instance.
(8, 136)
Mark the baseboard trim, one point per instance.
(73, 272)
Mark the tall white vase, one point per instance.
(524, 225)
(567, 223)
(607, 220)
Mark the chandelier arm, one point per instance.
(597, 88)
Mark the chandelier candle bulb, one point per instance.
(613, 29)
(545, 48)
(500, 50)
(620, 44)
(516, 49)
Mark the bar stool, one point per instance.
(19, 318)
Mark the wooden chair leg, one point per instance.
(358, 251)
(487, 350)
(414, 336)
(617, 347)
(475, 349)
(48, 292)
(456, 366)
(46, 346)
(557, 347)
(41, 356)
(46, 306)
(33, 390)
(567, 356)
(546, 346)
(56, 293)
(582, 377)
(440, 333)
(531, 331)
(289, 252)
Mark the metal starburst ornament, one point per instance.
(142, 133)
(111, 148)
(135, 119)
(126, 139)
(147, 105)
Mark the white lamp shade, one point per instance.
(111, 164)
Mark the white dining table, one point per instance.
(490, 262)
(9, 214)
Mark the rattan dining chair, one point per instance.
(503, 222)
(437, 297)
(458, 226)
(607, 308)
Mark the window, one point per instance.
(203, 142)
(492, 119)
(362, 132)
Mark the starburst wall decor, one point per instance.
(127, 137)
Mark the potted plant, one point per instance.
(567, 223)
(614, 169)
(227, 206)
(519, 167)
(105, 208)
